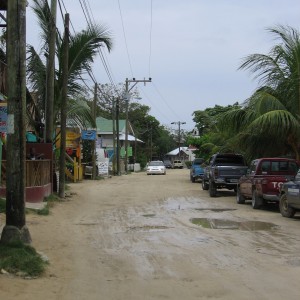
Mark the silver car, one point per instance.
(156, 167)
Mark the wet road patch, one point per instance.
(148, 228)
(233, 225)
(149, 215)
(216, 209)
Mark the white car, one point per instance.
(156, 167)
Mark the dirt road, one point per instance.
(140, 237)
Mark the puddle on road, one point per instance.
(148, 228)
(149, 215)
(228, 224)
(216, 209)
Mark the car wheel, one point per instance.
(257, 201)
(193, 179)
(240, 199)
(285, 210)
(205, 185)
(212, 189)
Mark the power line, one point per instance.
(125, 39)
(150, 43)
(161, 96)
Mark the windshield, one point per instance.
(156, 163)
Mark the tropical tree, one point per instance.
(212, 138)
(83, 48)
(268, 122)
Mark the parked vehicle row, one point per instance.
(266, 180)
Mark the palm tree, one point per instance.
(268, 123)
(84, 46)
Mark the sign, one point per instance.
(103, 168)
(3, 118)
(88, 135)
(123, 153)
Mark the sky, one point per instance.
(191, 49)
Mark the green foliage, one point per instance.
(266, 124)
(17, 257)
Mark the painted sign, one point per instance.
(3, 118)
(88, 135)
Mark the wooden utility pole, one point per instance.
(94, 141)
(15, 228)
(118, 136)
(127, 98)
(114, 134)
(63, 112)
(179, 135)
(50, 76)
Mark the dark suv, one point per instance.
(168, 164)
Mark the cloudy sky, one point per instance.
(190, 48)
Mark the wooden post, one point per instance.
(15, 228)
(63, 113)
(50, 75)
(94, 141)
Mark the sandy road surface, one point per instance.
(131, 238)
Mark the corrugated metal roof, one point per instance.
(176, 151)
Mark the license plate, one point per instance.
(233, 180)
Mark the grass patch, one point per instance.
(18, 258)
(2, 205)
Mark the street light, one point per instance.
(179, 134)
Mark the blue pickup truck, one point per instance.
(196, 171)
(289, 202)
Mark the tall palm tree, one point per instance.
(84, 46)
(268, 123)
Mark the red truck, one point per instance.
(263, 180)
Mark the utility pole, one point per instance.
(118, 136)
(94, 141)
(15, 228)
(127, 96)
(114, 134)
(179, 134)
(50, 76)
(63, 112)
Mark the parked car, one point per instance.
(177, 164)
(263, 180)
(168, 164)
(289, 202)
(156, 167)
(223, 171)
(196, 170)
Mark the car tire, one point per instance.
(285, 210)
(193, 179)
(212, 189)
(257, 201)
(205, 185)
(240, 199)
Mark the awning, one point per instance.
(131, 138)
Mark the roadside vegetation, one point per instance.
(268, 123)
(21, 260)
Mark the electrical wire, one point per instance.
(128, 56)
(150, 42)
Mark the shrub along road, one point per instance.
(139, 237)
